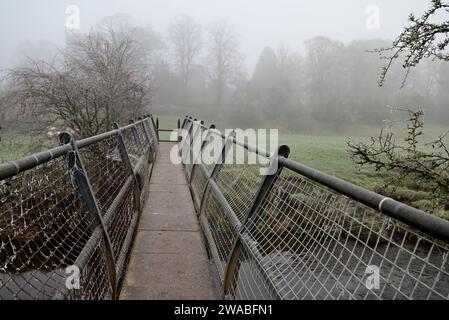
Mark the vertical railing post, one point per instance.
(156, 129)
(184, 122)
(124, 155)
(221, 159)
(192, 145)
(154, 140)
(145, 132)
(136, 138)
(186, 127)
(203, 143)
(178, 128)
(253, 216)
(84, 189)
(192, 139)
(187, 143)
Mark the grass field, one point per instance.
(15, 145)
(327, 152)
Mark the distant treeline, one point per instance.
(330, 84)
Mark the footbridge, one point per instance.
(128, 215)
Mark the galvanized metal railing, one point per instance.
(302, 234)
(68, 215)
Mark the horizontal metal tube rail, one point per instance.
(422, 221)
(425, 222)
(13, 168)
(247, 146)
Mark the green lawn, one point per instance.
(327, 152)
(15, 145)
(330, 155)
(167, 122)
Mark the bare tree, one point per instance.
(224, 58)
(425, 37)
(186, 40)
(425, 163)
(99, 78)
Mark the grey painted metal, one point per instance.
(12, 168)
(203, 143)
(431, 224)
(84, 188)
(217, 167)
(123, 151)
(136, 138)
(250, 147)
(252, 219)
(145, 132)
(155, 127)
(419, 219)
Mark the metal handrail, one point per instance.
(13, 168)
(423, 221)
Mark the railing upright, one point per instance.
(252, 218)
(217, 167)
(84, 188)
(203, 143)
(136, 138)
(156, 127)
(124, 155)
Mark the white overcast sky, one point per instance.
(259, 22)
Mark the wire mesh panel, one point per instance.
(106, 171)
(306, 241)
(133, 147)
(43, 230)
(152, 133)
(52, 245)
(314, 243)
(239, 180)
(227, 203)
(205, 163)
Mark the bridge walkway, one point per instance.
(169, 259)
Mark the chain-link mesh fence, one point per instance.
(289, 236)
(56, 231)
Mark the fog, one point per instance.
(259, 23)
(295, 65)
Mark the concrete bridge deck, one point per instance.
(169, 259)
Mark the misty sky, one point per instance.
(259, 22)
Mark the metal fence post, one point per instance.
(187, 143)
(153, 139)
(144, 130)
(217, 167)
(203, 143)
(156, 128)
(125, 158)
(253, 216)
(191, 139)
(191, 154)
(184, 122)
(136, 138)
(147, 138)
(84, 188)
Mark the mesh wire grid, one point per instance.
(313, 243)
(45, 227)
(310, 242)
